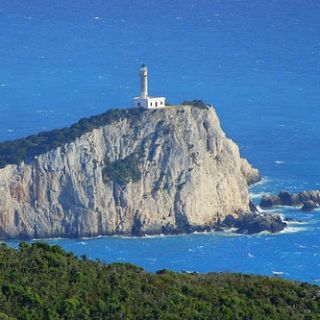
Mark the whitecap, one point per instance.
(48, 239)
(250, 255)
(44, 111)
(256, 195)
(293, 230)
(267, 211)
(293, 222)
(279, 162)
(263, 181)
(152, 259)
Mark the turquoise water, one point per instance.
(258, 62)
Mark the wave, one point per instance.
(293, 222)
(276, 210)
(46, 239)
(256, 195)
(264, 180)
(44, 111)
(83, 243)
(230, 232)
(293, 230)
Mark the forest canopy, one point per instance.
(39, 281)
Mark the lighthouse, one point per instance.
(143, 82)
(144, 101)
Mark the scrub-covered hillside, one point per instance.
(43, 282)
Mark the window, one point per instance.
(150, 104)
(156, 104)
(161, 102)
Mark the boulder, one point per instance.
(250, 223)
(308, 205)
(295, 199)
(304, 196)
(313, 195)
(285, 198)
(256, 223)
(269, 201)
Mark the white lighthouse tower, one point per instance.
(144, 101)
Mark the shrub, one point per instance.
(122, 171)
(196, 103)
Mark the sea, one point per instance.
(257, 62)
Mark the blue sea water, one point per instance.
(258, 62)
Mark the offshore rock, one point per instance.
(256, 223)
(171, 170)
(308, 200)
(250, 223)
(269, 201)
(308, 205)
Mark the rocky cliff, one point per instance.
(166, 171)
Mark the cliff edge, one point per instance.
(170, 170)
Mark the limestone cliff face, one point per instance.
(191, 176)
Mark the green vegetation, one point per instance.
(196, 103)
(44, 282)
(122, 170)
(25, 149)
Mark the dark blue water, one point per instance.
(258, 62)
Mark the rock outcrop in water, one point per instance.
(307, 200)
(167, 171)
(255, 223)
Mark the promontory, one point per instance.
(126, 172)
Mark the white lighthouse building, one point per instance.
(144, 101)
